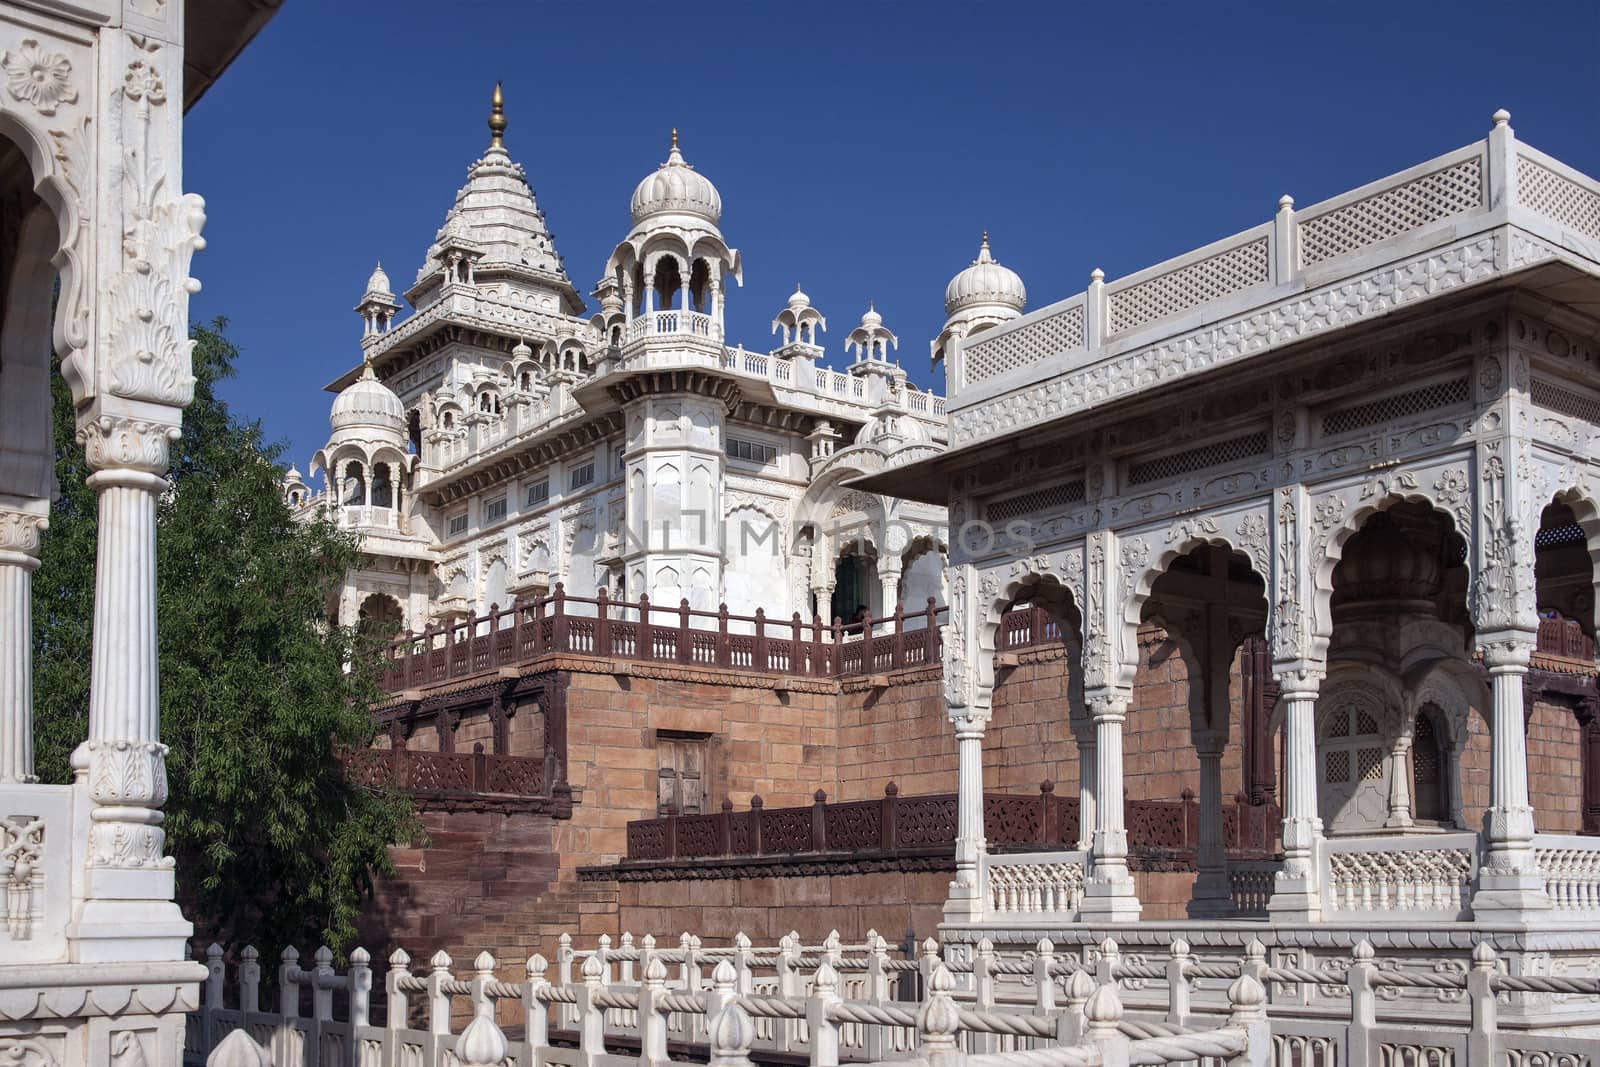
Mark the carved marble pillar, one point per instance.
(1297, 891)
(970, 844)
(1109, 895)
(1508, 878)
(1212, 895)
(128, 911)
(1399, 784)
(21, 523)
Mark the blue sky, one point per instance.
(860, 148)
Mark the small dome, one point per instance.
(676, 188)
(368, 403)
(379, 282)
(523, 350)
(294, 475)
(985, 282)
(798, 300)
(871, 319)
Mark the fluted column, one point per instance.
(970, 843)
(1086, 791)
(1211, 891)
(1296, 893)
(128, 912)
(1508, 877)
(1109, 895)
(21, 522)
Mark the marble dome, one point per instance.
(368, 403)
(985, 282)
(676, 188)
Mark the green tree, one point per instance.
(274, 845)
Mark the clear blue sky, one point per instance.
(860, 147)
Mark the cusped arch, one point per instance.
(1327, 549)
(996, 597)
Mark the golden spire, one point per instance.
(497, 119)
(674, 137)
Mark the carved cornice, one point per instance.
(702, 384)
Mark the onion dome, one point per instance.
(676, 188)
(523, 350)
(985, 282)
(798, 300)
(368, 404)
(294, 475)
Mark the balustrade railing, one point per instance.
(982, 1005)
(640, 630)
(897, 823)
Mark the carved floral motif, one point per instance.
(21, 875)
(20, 530)
(37, 77)
(114, 442)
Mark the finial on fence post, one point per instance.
(535, 1010)
(249, 979)
(824, 1030)
(938, 1019)
(238, 1049)
(399, 970)
(438, 998)
(1044, 984)
(360, 987)
(1178, 983)
(731, 1035)
(1080, 987)
(1247, 1003)
(1480, 992)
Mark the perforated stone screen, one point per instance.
(1212, 455)
(1557, 197)
(1061, 332)
(1578, 405)
(1039, 500)
(1392, 212)
(1398, 406)
(1229, 271)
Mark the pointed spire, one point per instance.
(674, 157)
(497, 118)
(984, 255)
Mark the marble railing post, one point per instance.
(1212, 895)
(1297, 892)
(1109, 895)
(21, 523)
(128, 910)
(1508, 878)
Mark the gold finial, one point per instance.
(985, 236)
(497, 118)
(674, 137)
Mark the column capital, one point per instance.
(1107, 705)
(1298, 678)
(969, 721)
(22, 523)
(1508, 650)
(124, 442)
(1208, 743)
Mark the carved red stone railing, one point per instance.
(896, 824)
(640, 630)
(1564, 638)
(440, 773)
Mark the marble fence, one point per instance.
(636, 1004)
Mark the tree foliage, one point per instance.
(274, 845)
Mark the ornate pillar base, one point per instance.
(966, 900)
